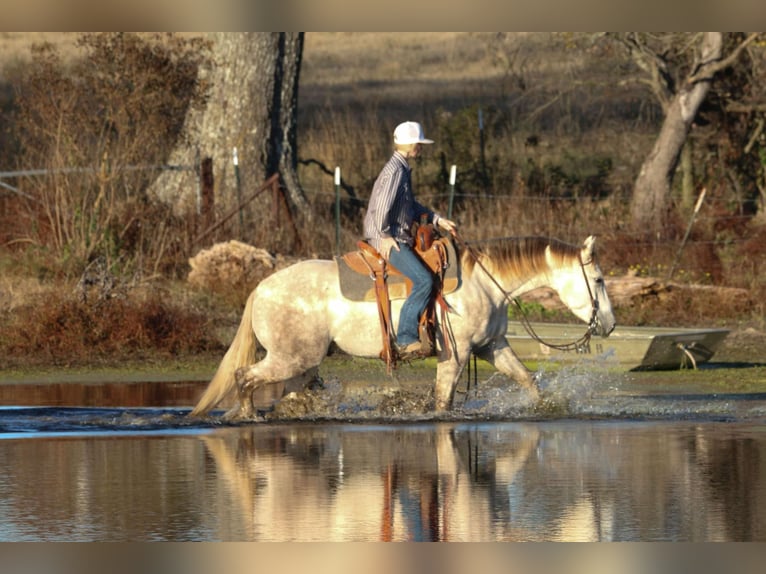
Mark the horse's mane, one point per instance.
(517, 256)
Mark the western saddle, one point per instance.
(434, 253)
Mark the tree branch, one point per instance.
(707, 70)
(756, 133)
(346, 187)
(738, 107)
(655, 66)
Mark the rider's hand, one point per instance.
(447, 225)
(386, 245)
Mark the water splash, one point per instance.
(335, 401)
(590, 389)
(564, 393)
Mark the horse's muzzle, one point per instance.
(597, 326)
(604, 331)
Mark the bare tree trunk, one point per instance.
(650, 205)
(252, 106)
(284, 148)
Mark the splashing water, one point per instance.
(593, 388)
(564, 393)
(589, 389)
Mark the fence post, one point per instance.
(688, 231)
(208, 191)
(269, 183)
(235, 160)
(484, 177)
(452, 172)
(337, 210)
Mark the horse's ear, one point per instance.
(548, 256)
(587, 247)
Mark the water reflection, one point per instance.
(555, 481)
(420, 482)
(101, 394)
(563, 480)
(106, 488)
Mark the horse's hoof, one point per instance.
(237, 414)
(234, 414)
(533, 392)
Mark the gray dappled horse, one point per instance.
(296, 313)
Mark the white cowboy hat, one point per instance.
(410, 133)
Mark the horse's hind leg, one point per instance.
(272, 370)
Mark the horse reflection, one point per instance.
(485, 482)
(414, 484)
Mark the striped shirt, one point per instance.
(392, 209)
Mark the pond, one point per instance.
(608, 458)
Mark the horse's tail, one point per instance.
(241, 353)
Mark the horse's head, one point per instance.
(580, 286)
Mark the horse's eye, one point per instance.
(599, 280)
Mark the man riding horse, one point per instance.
(391, 214)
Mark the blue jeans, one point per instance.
(422, 279)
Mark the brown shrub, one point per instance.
(117, 111)
(60, 328)
(231, 269)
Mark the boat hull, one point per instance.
(633, 348)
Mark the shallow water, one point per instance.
(602, 457)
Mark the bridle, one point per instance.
(581, 345)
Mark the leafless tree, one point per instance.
(679, 70)
(252, 81)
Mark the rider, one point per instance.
(391, 213)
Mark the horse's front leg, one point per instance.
(448, 373)
(505, 360)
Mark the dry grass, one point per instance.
(341, 57)
(333, 58)
(14, 46)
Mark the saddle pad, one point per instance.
(361, 287)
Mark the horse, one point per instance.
(298, 312)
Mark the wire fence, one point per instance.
(8, 188)
(541, 218)
(500, 203)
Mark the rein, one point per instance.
(581, 345)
